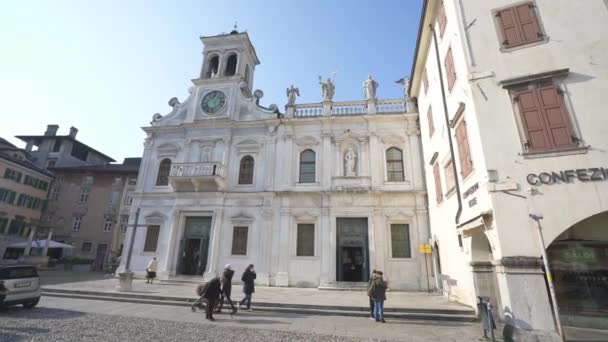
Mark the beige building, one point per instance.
(510, 95)
(23, 191)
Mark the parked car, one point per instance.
(19, 285)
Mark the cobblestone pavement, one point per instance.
(62, 319)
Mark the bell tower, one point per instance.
(227, 58)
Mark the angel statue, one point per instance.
(292, 92)
(327, 89)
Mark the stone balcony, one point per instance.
(351, 108)
(195, 177)
(351, 184)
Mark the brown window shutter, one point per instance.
(464, 151)
(449, 69)
(509, 27)
(556, 119)
(429, 117)
(537, 137)
(528, 23)
(438, 191)
(425, 81)
(443, 20)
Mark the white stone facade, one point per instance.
(207, 151)
(490, 246)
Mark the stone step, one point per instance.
(404, 313)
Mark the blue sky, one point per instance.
(106, 67)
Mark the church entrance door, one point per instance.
(352, 250)
(195, 246)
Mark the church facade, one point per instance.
(316, 196)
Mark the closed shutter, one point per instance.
(438, 191)
(425, 81)
(519, 25)
(464, 152)
(554, 112)
(532, 120)
(429, 117)
(528, 23)
(449, 69)
(509, 27)
(443, 20)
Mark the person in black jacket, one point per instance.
(248, 286)
(212, 294)
(226, 288)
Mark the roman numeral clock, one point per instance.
(213, 102)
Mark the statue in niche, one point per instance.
(369, 88)
(350, 163)
(292, 92)
(327, 89)
(206, 154)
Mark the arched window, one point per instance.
(246, 170)
(163, 172)
(214, 64)
(394, 165)
(307, 166)
(231, 66)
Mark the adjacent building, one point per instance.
(23, 192)
(514, 138)
(315, 197)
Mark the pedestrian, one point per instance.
(226, 288)
(371, 301)
(212, 294)
(378, 293)
(248, 286)
(151, 270)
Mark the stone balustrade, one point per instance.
(197, 169)
(349, 108)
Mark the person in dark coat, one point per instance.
(378, 294)
(226, 288)
(248, 286)
(212, 294)
(371, 301)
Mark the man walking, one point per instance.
(151, 270)
(212, 294)
(248, 286)
(226, 281)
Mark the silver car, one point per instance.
(19, 285)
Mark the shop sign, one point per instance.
(425, 248)
(579, 254)
(593, 174)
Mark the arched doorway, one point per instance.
(578, 259)
(484, 272)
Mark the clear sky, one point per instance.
(106, 67)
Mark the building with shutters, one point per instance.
(317, 196)
(512, 125)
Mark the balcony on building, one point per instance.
(197, 177)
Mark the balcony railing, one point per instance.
(197, 169)
(186, 177)
(349, 108)
(391, 106)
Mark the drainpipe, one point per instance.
(447, 124)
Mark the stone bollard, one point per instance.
(125, 281)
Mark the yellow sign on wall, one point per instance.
(425, 248)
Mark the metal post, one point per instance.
(426, 266)
(537, 218)
(128, 264)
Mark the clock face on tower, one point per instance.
(213, 102)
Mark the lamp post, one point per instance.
(125, 278)
(558, 323)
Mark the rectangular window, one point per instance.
(84, 194)
(114, 197)
(87, 247)
(3, 224)
(80, 151)
(443, 20)
(151, 238)
(12, 174)
(57, 145)
(129, 198)
(56, 190)
(518, 25)
(88, 180)
(450, 70)
(400, 241)
(306, 240)
(21, 200)
(464, 151)
(16, 225)
(544, 118)
(76, 220)
(51, 163)
(239, 241)
(438, 190)
(107, 224)
(124, 221)
(3, 195)
(132, 181)
(429, 117)
(450, 177)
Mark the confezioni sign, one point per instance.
(593, 174)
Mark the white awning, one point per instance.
(40, 244)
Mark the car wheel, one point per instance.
(31, 304)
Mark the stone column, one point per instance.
(414, 158)
(327, 108)
(215, 245)
(30, 238)
(524, 300)
(291, 112)
(326, 236)
(326, 155)
(282, 277)
(48, 241)
(371, 107)
(376, 175)
(266, 246)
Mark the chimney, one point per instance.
(73, 131)
(51, 130)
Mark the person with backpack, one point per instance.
(371, 301)
(226, 288)
(377, 292)
(248, 278)
(211, 293)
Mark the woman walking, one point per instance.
(378, 293)
(151, 270)
(248, 286)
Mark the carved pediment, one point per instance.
(393, 139)
(248, 145)
(155, 218)
(306, 216)
(242, 219)
(307, 141)
(168, 149)
(350, 136)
